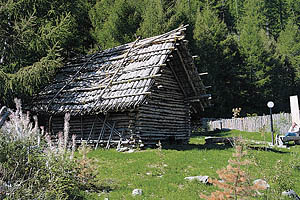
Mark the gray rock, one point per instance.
(202, 179)
(291, 194)
(137, 192)
(262, 183)
(123, 149)
(130, 151)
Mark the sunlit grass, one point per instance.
(160, 173)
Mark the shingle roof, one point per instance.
(114, 79)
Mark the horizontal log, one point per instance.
(161, 116)
(203, 73)
(210, 140)
(165, 129)
(155, 101)
(164, 111)
(168, 97)
(195, 98)
(291, 138)
(162, 121)
(156, 105)
(161, 133)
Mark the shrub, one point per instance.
(281, 176)
(235, 182)
(33, 167)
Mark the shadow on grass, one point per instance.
(216, 133)
(218, 146)
(268, 149)
(197, 147)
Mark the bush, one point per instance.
(32, 167)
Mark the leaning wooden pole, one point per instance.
(4, 114)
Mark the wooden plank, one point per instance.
(291, 138)
(295, 109)
(210, 140)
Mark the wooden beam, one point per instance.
(109, 126)
(186, 71)
(102, 131)
(177, 79)
(210, 140)
(91, 129)
(197, 98)
(111, 132)
(127, 95)
(204, 73)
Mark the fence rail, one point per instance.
(281, 123)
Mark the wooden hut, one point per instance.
(145, 89)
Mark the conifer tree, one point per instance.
(288, 53)
(217, 50)
(34, 36)
(235, 182)
(114, 22)
(153, 19)
(289, 45)
(256, 48)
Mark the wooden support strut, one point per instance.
(111, 132)
(186, 71)
(109, 126)
(4, 113)
(188, 76)
(178, 80)
(91, 130)
(101, 132)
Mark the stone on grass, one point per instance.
(202, 179)
(122, 149)
(137, 192)
(291, 194)
(130, 151)
(261, 183)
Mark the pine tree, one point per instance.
(256, 47)
(34, 37)
(288, 52)
(153, 19)
(289, 45)
(218, 55)
(235, 182)
(115, 22)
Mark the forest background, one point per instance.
(250, 48)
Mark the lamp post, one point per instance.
(270, 105)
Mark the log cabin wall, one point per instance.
(88, 127)
(166, 115)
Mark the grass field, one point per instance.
(160, 173)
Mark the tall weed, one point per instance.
(33, 167)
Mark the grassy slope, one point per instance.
(160, 174)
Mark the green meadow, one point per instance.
(160, 173)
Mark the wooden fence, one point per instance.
(281, 123)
